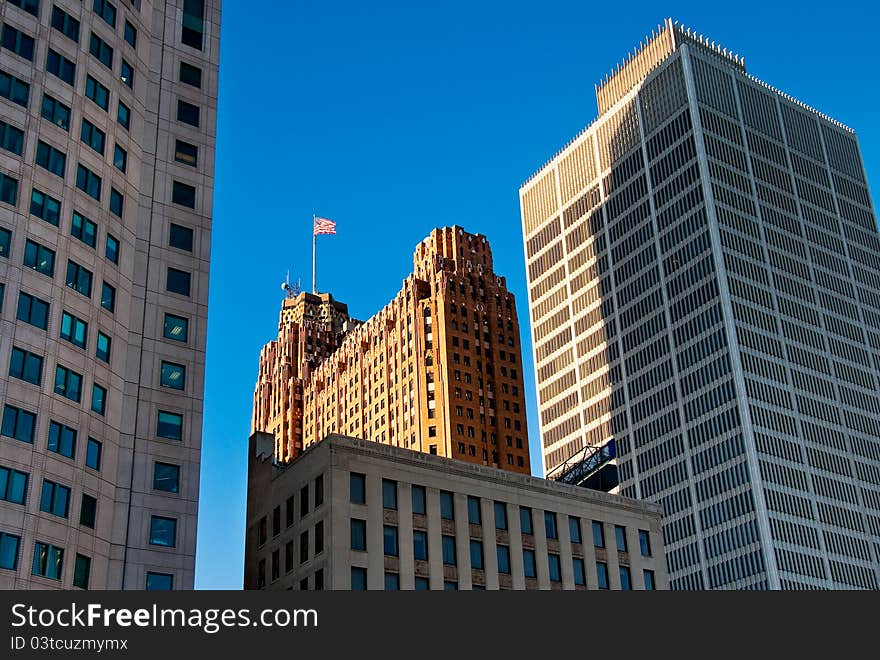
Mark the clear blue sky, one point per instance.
(395, 118)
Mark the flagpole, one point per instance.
(314, 267)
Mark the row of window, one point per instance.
(262, 525)
(28, 366)
(289, 564)
(21, 424)
(48, 562)
(357, 495)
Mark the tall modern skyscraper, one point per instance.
(437, 370)
(107, 132)
(703, 267)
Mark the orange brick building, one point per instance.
(437, 370)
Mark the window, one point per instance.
(88, 182)
(68, 383)
(123, 115)
(74, 330)
(33, 310)
(262, 532)
(82, 567)
(120, 158)
(93, 136)
(422, 584)
(357, 488)
(111, 249)
(50, 158)
(102, 348)
(474, 516)
(177, 281)
(126, 74)
(620, 537)
(358, 578)
(180, 237)
(450, 585)
(288, 516)
(106, 11)
(650, 584)
(529, 568)
(40, 258)
(554, 568)
(26, 365)
(5, 242)
(159, 582)
(60, 66)
(18, 42)
(116, 202)
(276, 512)
(276, 564)
(9, 551)
(65, 24)
(419, 500)
(14, 89)
(19, 424)
(188, 113)
(288, 556)
(447, 506)
(358, 534)
(389, 540)
(108, 297)
(173, 375)
(477, 555)
(13, 485)
(79, 279)
(389, 494)
(45, 207)
(176, 327)
(193, 23)
(574, 529)
(503, 553)
(87, 511)
(11, 138)
(93, 454)
(48, 561)
(602, 574)
(30, 6)
(577, 565)
(55, 499)
(304, 547)
(550, 525)
(304, 501)
(163, 531)
(598, 534)
(525, 520)
(448, 544)
(319, 579)
(392, 582)
(183, 194)
(8, 189)
(644, 543)
(169, 425)
(319, 537)
(319, 490)
(62, 439)
(84, 229)
(420, 545)
(186, 153)
(101, 50)
(190, 75)
(99, 399)
(130, 34)
(625, 581)
(97, 93)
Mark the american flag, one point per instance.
(324, 226)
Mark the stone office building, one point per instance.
(353, 514)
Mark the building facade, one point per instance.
(437, 370)
(107, 120)
(352, 514)
(703, 267)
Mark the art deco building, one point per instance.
(107, 131)
(351, 514)
(437, 370)
(703, 267)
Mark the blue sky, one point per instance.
(395, 118)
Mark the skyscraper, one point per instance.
(107, 129)
(703, 266)
(437, 370)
